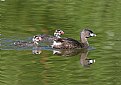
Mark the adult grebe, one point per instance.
(69, 43)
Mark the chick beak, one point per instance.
(62, 33)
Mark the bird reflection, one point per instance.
(36, 50)
(83, 53)
(84, 60)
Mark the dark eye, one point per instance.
(90, 34)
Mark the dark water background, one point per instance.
(21, 19)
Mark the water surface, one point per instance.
(22, 19)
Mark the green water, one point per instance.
(25, 18)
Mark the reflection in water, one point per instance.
(83, 53)
(36, 50)
(84, 60)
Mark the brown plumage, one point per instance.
(69, 43)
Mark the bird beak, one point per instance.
(92, 35)
(62, 33)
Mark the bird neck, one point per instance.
(57, 35)
(83, 40)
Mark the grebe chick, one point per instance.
(35, 41)
(48, 39)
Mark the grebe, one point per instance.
(48, 39)
(69, 43)
(35, 41)
(40, 39)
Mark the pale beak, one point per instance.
(92, 35)
(62, 33)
